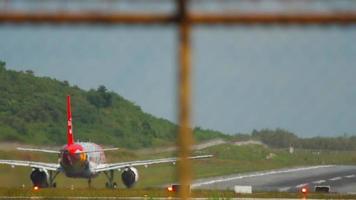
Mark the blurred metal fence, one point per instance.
(181, 16)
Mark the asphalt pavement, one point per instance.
(340, 178)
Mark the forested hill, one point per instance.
(33, 111)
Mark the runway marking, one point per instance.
(319, 181)
(335, 178)
(226, 179)
(301, 185)
(350, 176)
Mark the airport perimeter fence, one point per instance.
(184, 14)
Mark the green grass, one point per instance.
(152, 193)
(228, 159)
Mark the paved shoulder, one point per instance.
(341, 178)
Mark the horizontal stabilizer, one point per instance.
(110, 149)
(101, 150)
(54, 151)
(38, 150)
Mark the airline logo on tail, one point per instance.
(70, 138)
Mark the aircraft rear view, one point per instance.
(76, 159)
(83, 160)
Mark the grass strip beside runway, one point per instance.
(17, 193)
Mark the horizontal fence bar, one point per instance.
(193, 18)
(85, 17)
(269, 18)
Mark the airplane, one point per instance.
(83, 160)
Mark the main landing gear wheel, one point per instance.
(112, 186)
(110, 176)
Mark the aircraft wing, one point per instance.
(113, 166)
(39, 165)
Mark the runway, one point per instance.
(340, 178)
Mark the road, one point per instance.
(340, 178)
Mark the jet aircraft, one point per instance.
(83, 160)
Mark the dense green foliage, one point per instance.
(280, 138)
(33, 110)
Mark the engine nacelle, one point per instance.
(39, 178)
(129, 176)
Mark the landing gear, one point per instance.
(110, 176)
(52, 176)
(89, 183)
(114, 185)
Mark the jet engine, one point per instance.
(39, 178)
(129, 176)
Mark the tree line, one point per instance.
(281, 138)
(33, 111)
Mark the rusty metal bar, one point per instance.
(193, 18)
(85, 17)
(184, 94)
(275, 18)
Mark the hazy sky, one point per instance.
(245, 77)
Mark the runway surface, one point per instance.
(340, 178)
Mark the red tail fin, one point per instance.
(70, 138)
